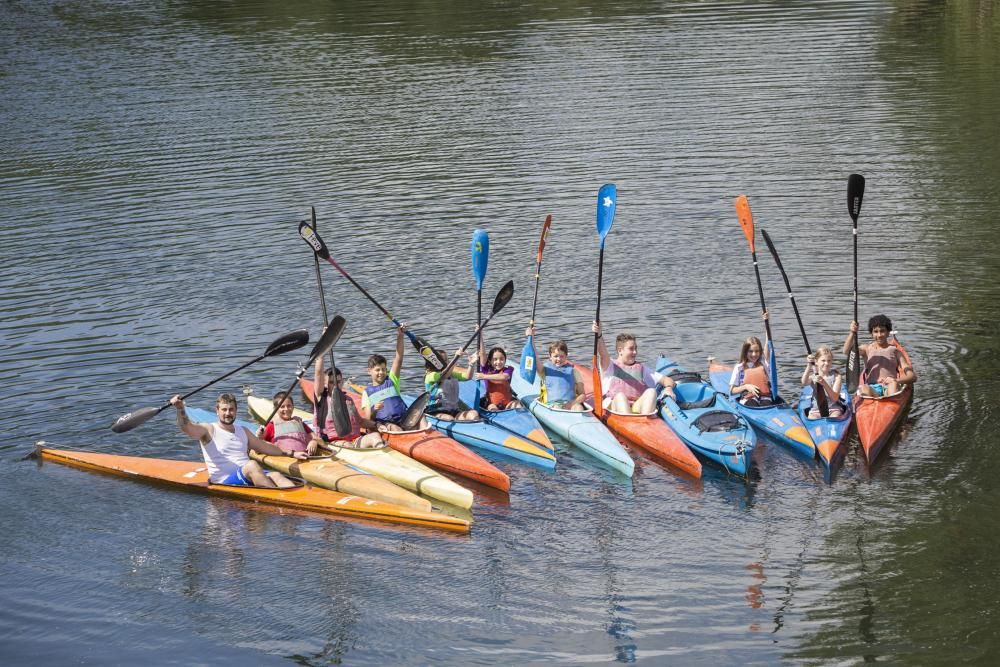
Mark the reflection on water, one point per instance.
(158, 158)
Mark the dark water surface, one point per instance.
(157, 157)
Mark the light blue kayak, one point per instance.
(707, 421)
(581, 429)
(490, 437)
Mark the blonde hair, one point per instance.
(824, 350)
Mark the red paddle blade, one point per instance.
(746, 220)
(541, 242)
(598, 389)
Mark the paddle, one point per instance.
(528, 361)
(341, 419)
(818, 392)
(310, 236)
(290, 341)
(411, 419)
(606, 200)
(323, 345)
(480, 258)
(746, 222)
(855, 192)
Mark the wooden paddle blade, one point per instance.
(133, 419)
(528, 361)
(746, 220)
(312, 237)
(480, 255)
(327, 340)
(541, 241)
(290, 341)
(607, 198)
(855, 192)
(503, 297)
(411, 420)
(341, 417)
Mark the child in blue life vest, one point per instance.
(562, 383)
(886, 368)
(495, 371)
(820, 371)
(629, 386)
(381, 401)
(444, 403)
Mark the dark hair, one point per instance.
(281, 397)
(624, 338)
(377, 360)
(489, 355)
(879, 321)
(225, 398)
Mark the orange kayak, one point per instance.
(648, 432)
(433, 448)
(878, 418)
(193, 476)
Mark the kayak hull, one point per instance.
(390, 465)
(828, 434)
(878, 418)
(647, 432)
(779, 422)
(520, 421)
(435, 449)
(193, 476)
(707, 421)
(581, 429)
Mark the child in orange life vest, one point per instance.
(561, 380)
(287, 431)
(819, 370)
(629, 387)
(493, 368)
(886, 370)
(750, 375)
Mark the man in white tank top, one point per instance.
(224, 445)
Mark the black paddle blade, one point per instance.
(503, 296)
(311, 236)
(133, 419)
(290, 341)
(341, 418)
(855, 192)
(770, 246)
(411, 420)
(853, 368)
(327, 340)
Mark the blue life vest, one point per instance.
(560, 385)
(393, 407)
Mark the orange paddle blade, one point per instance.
(541, 242)
(598, 390)
(746, 220)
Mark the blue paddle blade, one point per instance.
(606, 209)
(772, 371)
(480, 255)
(528, 361)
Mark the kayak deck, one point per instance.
(193, 476)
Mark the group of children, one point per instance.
(628, 387)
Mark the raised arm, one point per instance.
(808, 372)
(603, 358)
(397, 362)
(319, 378)
(200, 432)
(849, 341)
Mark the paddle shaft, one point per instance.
(855, 193)
(538, 267)
(760, 292)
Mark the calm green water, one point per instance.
(157, 157)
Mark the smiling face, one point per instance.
(226, 412)
(378, 374)
(753, 353)
(558, 357)
(824, 362)
(498, 360)
(627, 352)
(881, 336)
(286, 409)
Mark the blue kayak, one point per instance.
(519, 421)
(580, 428)
(707, 421)
(490, 437)
(780, 422)
(829, 434)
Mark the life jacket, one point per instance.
(445, 395)
(881, 363)
(626, 380)
(291, 435)
(329, 430)
(393, 407)
(225, 453)
(560, 383)
(497, 391)
(757, 376)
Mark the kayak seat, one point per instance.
(717, 420)
(696, 405)
(684, 376)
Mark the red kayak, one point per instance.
(878, 418)
(435, 449)
(648, 432)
